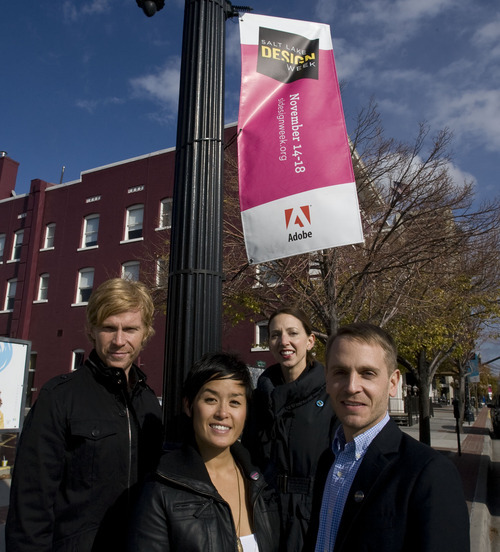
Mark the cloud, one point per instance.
(73, 11)
(459, 176)
(162, 86)
(474, 112)
(406, 14)
(92, 105)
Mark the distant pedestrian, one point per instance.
(379, 489)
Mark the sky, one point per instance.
(91, 82)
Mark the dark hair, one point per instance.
(302, 317)
(216, 366)
(368, 333)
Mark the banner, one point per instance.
(297, 189)
(14, 366)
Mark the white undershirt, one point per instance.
(249, 543)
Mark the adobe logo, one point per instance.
(298, 216)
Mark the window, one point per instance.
(43, 287)
(166, 213)
(2, 246)
(261, 336)
(161, 273)
(267, 275)
(314, 267)
(85, 284)
(10, 295)
(90, 231)
(135, 216)
(78, 359)
(50, 231)
(17, 245)
(130, 271)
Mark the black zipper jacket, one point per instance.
(180, 509)
(289, 427)
(85, 445)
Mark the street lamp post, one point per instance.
(194, 299)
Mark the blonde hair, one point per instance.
(116, 296)
(371, 334)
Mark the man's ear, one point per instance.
(186, 408)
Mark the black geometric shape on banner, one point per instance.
(287, 57)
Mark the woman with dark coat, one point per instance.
(207, 495)
(291, 422)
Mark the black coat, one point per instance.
(290, 426)
(181, 510)
(405, 497)
(85, 445)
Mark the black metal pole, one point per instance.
(194, 299)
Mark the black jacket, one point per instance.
(290, 426)
(181, 510)
(85, 445)
(405, 497)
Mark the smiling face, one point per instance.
(218, 413)
(359, 384)
(119, 339)
(289, 344)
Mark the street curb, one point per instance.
(480, 517)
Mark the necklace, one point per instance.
(238, 541)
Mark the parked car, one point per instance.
(495, 414)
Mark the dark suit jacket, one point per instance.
(405, 497)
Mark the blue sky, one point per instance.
(90, 82)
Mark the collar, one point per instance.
(112, 377)
(361, 442)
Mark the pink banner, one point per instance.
(293, 151)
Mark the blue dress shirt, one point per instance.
(348, 457)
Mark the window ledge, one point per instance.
(133, 240)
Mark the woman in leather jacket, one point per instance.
(207, 495)
(291, 422)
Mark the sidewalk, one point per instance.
(472, 464)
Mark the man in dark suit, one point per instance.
(379, 489)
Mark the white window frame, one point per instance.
(76, 355)
(83, 290)
(261, 336)
(2, 247)
(165, 220)
(90, 231)
(134, 224)
(161, 272)
(17, 246)
(261, 270)
(50, 232)
(10, 295)
(43, 288)
(131, 270)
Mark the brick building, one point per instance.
(59, 241)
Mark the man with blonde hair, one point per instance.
(91, 436)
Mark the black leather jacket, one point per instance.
(85, 445)
(290, 426)
(180, 509)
